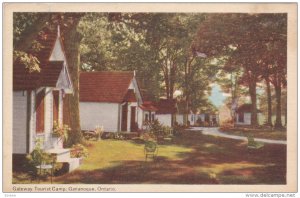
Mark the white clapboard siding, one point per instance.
(60, 107)
(164, 119)
(32, 122)
(140, 117)
(191, 118)
(48, 111)
(94, 114)
(179, 119)
(247, 119)
(19, 122)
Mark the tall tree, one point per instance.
(26, 28)
(245, 39)
(72, 40)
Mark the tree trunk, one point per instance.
(172, 80)
(167, 82)
(252, 92)
(278, 122)
(269, 119)
(72, 42)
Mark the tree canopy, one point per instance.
(171, 52)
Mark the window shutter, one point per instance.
(55, 105)
(40, 112)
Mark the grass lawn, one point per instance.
(256, 133)
(192, 158)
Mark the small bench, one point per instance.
(150, 150)
(252, 144)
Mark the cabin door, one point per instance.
(206, 118)
(124, 117)
(133, 126)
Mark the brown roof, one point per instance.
(246, 108)
(148, 106)
(47, 77)
(166, 106)
(104, 86)
(50, 70)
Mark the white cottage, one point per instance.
(166, 111)
(148, 115)
(38, 100)
(243, 114)
(110, 99)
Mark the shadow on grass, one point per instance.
(212, 160)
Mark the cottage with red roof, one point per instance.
(38, 99)
(243, 113)
(166, 111)
(111, 99)
(149, 112)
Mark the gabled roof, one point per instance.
(245, 108)
(130, 96)
(148, 106)
(104, 86)
(50, 70)
(166, 106)
(47, 77)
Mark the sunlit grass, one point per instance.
(257, 133)
(191, 158)
(109, 153)
(219, 168)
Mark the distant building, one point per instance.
(243, 114)
(166, 111)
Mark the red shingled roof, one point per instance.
(50, 70)
(166, 106)
(47, 77)
(104, 86)
(246, 108)
(148, 106)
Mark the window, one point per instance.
(40, 112)
(146, 117)
(153, 117)
(241, 117)
(55, 105)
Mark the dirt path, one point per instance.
(215, 132)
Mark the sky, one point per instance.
(217, 97)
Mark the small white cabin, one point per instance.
(166, 111)
(110, 99)
(243, 114)
(149, 113)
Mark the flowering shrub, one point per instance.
(78, 151)
(37, 157)
(99, 130)
(61, 131)
(156, 129)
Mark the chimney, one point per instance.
(134, 73)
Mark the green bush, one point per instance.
(157, 129)
(37, 157)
